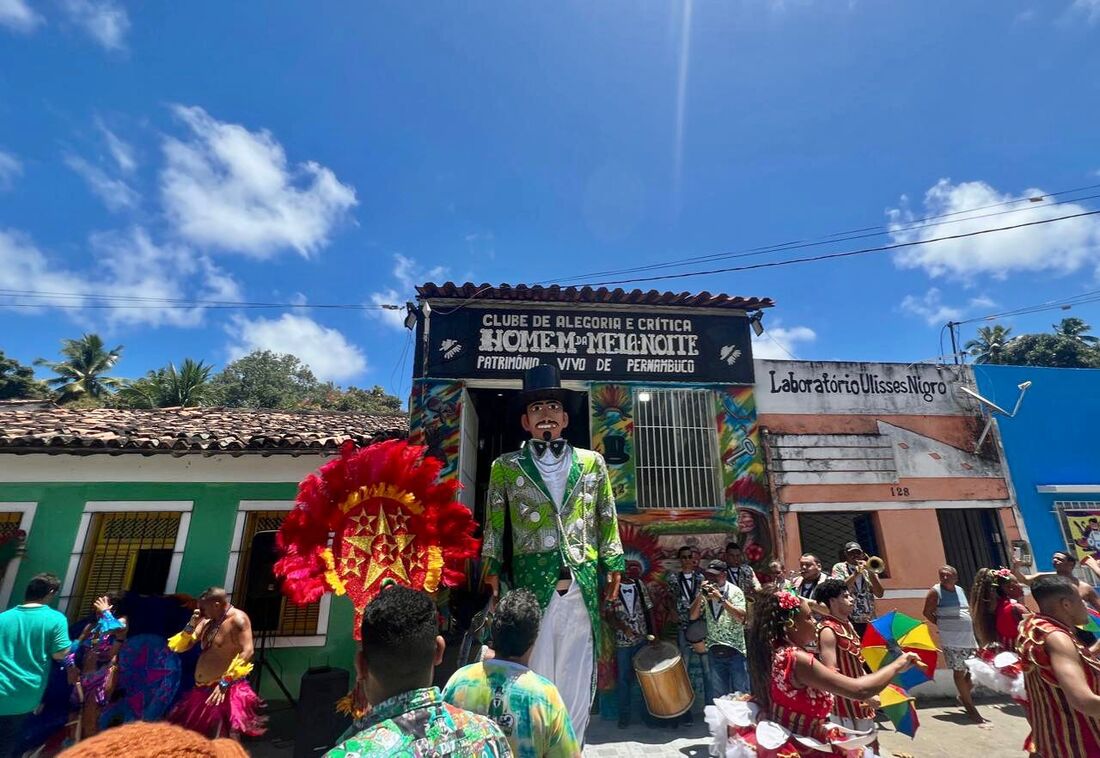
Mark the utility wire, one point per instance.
(842, 254)
(1050, 305)
(848, 236)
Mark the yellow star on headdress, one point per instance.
(385, 550)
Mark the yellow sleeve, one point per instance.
(182, 642)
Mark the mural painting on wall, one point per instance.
(435, 421)
(612, 431)
(1084, 532)
(747, 500)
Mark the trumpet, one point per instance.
(876, 565)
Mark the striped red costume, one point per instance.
(849, 661)
(1057, 731)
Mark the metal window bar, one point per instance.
(294, 620)
(126, 551)
(676, 460)
(825, 534)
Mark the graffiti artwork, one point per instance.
(436, 421)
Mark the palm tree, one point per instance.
(990, 342)
(1076, 329)
(169, 388)
(82, 373)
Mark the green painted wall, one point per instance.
(205, 556)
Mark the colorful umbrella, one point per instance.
(894, 634)
(899, 708)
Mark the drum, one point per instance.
(664, 680)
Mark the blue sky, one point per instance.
(338, 153)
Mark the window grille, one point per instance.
(825, 534)
(294, 620)
(676, 461)
(127, 551)
(9, 522)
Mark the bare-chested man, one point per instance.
(1064, 563)
(222, 701)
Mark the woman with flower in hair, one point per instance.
(996, 610)
(793, 694)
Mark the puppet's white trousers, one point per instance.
(563, 654)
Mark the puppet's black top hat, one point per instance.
(542, 382)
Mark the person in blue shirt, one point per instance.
(31, 635)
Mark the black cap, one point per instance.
(541, 382)
(852, 547)
(716, 567)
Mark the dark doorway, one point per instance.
(972, 539)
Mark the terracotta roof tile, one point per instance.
(180, 431)
(602, 295)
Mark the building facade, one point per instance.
(169, 502)
(1051, 448)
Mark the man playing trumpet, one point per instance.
(863, 584)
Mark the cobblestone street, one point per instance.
(944, 732)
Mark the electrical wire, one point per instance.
(850, 235)
(842, 254)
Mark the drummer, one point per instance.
(630, 615)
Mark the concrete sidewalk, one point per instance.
(944, 732)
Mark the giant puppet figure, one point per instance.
(564, 534)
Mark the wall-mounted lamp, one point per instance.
(756, 321)
(410, 316)
(644, 397)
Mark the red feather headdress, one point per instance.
(390, 518)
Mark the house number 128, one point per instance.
(899, 492)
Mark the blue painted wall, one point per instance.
(1054, 439)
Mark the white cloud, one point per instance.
(935, 312)
(408, 274)
(326, 351)
(128, 265)
(17, 15)
(780, 342)
(1060, 247)
(116, 194)
(105, 21)
(10, 168)
(121, 151)
(228, 188)
(1091, 9)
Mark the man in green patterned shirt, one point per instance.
(722, 604)
(401, 648)
(565, 533)
(526, 706)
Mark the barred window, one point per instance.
(294, 620)
(124, 551)
(825, 534)
(676, 444)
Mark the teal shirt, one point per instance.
(527, 707)
(28, 639)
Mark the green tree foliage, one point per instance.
(169, 388)
(1053, 350)
(82, 372)
(1075, 328)
(987, 347)
(17, 381)
(263, 379)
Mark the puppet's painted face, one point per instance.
(545, 417)
(634, 570)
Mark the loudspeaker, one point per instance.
(319, 725)
(263, 597)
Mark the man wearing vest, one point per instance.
(565, 535)
(684, 586)
(1061, 675)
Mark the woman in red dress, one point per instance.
(792, 692)
(997, 612)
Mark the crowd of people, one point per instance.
(780, 654)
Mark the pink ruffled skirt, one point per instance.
(238, 712)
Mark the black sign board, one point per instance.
(609, 345)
